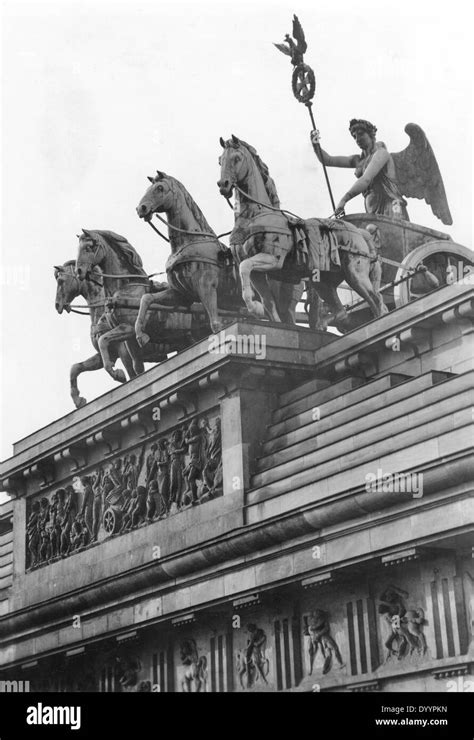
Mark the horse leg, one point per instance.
(206, 289)
(134, 353)
(260, 284)
(92, 363)
(327, 290)
(263, 263)
(375, 277)
(287, 299)
(313, 307)
(167, 297)
(120, 333)
(145, 301)
(126, 358)
(356, 270)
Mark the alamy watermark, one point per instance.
(381, 482)
(460, 273)
(14, 687)
(15, 276)
(238, 344)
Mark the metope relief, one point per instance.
(319, 641)
(173, 472)
(404, 636)
(194, 672)
(252, 663)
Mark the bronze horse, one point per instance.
(196, 268)
(286, 295)
(269, 248)
(125, 282)
(69, 287)
(199, 267)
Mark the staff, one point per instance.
(303, 82)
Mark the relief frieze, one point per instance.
(157, 479)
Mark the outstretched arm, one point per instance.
(329, 160)
(379, 160)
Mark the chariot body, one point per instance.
(415, 261)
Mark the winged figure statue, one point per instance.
(418, 175)
(384, 178)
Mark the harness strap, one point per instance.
(266, 205)
(191, 233)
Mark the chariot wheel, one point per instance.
(112, 520)
(303, 83)
(445, 263)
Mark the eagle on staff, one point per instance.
(292, 49)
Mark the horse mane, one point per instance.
(191, 204)
(122, 248)
(265, 173)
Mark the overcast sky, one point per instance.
(98, 95)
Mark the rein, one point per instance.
(81, 313)
(284, 212)
(184, 231)
(265, 205)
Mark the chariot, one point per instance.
(415, 261)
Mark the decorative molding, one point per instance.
(127, 637)
(76, 453)
(365, 686)
(360, 363)
(109, 436)
(14, 485)
(401, 556)
(247, 601)
(184, 619)
(321, 579)
(43, 469)
(414, 337)
(462, 669)
(142, 419)
(30, 664)
(186, 400)
(74, 652)
(462, 314)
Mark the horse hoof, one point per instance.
(119, 376)
(79, 401)
(255, 309)
(142, 339)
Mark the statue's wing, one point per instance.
(418, 174)
(285, 49)
(298, 34)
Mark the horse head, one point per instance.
(68, 286)
(90, 253)
(158, 197)
(234, 162)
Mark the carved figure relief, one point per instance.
(194, 677)
(175, 471)
(317, 628)
(252, 663)
(405, 625)
(127, 670)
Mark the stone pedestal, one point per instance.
(333, 550)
